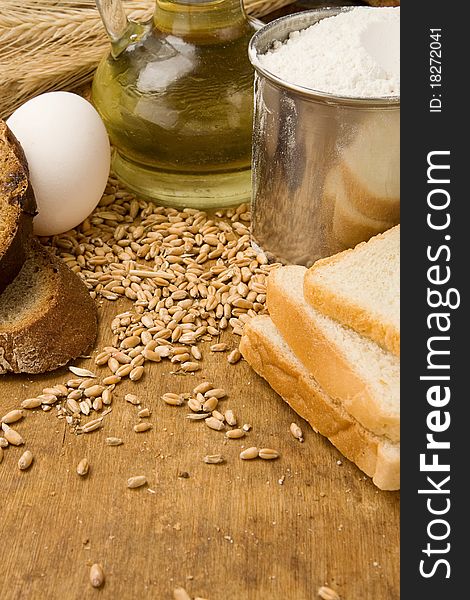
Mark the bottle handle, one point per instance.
(114, 20)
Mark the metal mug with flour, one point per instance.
(325, 167)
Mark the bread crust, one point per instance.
(60, 330)
(324, 360)
(350, 225)
(385, 335)
(300, 390)
(379, 208)
(16, 190)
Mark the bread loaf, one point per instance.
(17, 206)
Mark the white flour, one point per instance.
(355, 53)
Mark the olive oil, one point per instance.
(177, 101)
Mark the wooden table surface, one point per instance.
(229, 531)
(256, 530)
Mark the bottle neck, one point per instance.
(201, 20)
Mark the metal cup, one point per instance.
(325, 168)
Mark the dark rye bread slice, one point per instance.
(17, 206)
(47, 317)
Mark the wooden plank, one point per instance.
(226, 531)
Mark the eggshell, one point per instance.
(68, 154)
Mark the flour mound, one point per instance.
(355, 53)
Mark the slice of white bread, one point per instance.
(360, 288)
(349, 225)
(266, 351)
(17, 206)
(46, 315)
(350, 368)
(371, 166)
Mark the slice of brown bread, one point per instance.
(17, 206)
(47, 317)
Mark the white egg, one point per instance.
(68, 154)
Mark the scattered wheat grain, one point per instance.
(30, 403)
(268, 454)
(94, 391)
(216, 393)
(230, 418)
(12, 417)
(190, 367)
(72, 405)
(213, 459)
(218, 415)
(196, 353)
(195, 405)
(214, 423)
(203, 387)
(296, 432)
(197, 416)
(172, 399)
(123, 370)
(180, 593)
(92, 425)
(235, 434)
(111, 380)
(97, 577)
(132, 399)
(136, 373)
(234, 357)
(83, 467)
(48, 399)
(142, 427)
(113, 441)
(12, 436)
(25, 460)
(326, 593)
(58, 390)
(220, 347)
(136, 481)
(81, 372)
(249, 453)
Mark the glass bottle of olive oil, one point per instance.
(176, 96)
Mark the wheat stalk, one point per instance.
(48, 44)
